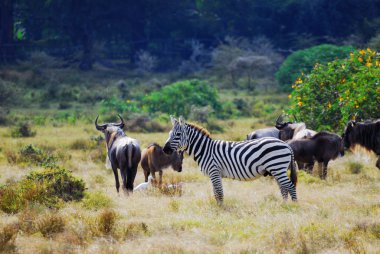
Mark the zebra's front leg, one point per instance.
(216, 180)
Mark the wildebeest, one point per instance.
(265, 132)
(365, 134)
(154, 159)
(322, 147)
(123, 152)
(291, 130)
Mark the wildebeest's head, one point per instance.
(177, 136)
(110, 129)
(177, 163)
(286, 129)
(347, 133)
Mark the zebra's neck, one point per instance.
(199, 146)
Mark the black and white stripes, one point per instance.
(237, 160)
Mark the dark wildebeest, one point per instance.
(322, 147)
(154, 159)
(123, 153)
(365, 134)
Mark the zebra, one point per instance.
(242, 160)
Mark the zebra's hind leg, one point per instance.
(286, 186)
(216, 181)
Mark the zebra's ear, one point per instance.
(181, 120)
(174, 121)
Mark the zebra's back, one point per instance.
(245, 160)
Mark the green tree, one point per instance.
(335, 92)
(303, 61)
(178, 98)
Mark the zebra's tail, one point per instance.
(293, 170)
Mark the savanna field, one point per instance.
(301, 68)
(340, 215)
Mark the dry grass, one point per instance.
(340, 215)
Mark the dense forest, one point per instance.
(101, 31)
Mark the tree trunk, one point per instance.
(6, 31)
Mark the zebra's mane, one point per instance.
(199, 128)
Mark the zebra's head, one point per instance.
(177, 140)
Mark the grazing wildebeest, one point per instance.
(154, 159)
(123, 152)
(365, 134)
(322, 147)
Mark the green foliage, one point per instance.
(35, 156)
(303, 61)
(96, 200)
(178, 98)
(48, 187)
(59, 183)
(333, 93)
(23, 130)
(120, 106)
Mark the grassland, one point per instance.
(340, 215)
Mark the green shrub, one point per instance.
(117, 105)
(36, 156)
(178, 98)
(59, 183)
(96, 200)
(23, 130)
(333, 93)
(303, 61)
(48, 187)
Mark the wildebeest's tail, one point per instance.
(129, 153)
(293, 170)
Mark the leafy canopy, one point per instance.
(178, 98)
(302, 61)
(335, 92)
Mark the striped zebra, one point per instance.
(241, 160)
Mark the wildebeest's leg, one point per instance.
(131, 175)
(309, 167)
(324, 172)
(216, 180)
(124, 177)
(378, 163)
(160, 173)
(146, 174)
(114, 169)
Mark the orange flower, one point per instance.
(341, 99)
(300, 103)
(362, 52)
(289, 96)
(360, 59)
(368, 64)
(329, 105)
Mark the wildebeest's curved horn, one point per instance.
(98, 126)
(279, 124)
(120, 125)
